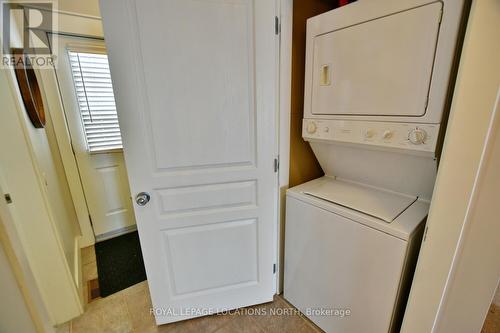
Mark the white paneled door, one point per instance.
(195, 86)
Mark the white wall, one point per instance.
(28, 173)
(474, 277)
(20, 267)
(42, 211)
(43, 144)
(14, 314)
(473, 103)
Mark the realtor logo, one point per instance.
(26, 33)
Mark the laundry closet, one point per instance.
(377, 84)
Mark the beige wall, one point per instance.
(473, 103)
(52, 171)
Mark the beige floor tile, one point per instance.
(88, 255)
(141, 286)
(280, 317)
(240, 324)
(206, 324)
(105, 315)
(85, 291)
(129, 311)
(310, 326)
(138, 304)
(64, 328)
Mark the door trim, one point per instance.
(83, 27)
(285, 10)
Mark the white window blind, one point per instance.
(96, 100)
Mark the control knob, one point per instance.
(387, 134)
(369, 134)
(417, 136)
(311, 127)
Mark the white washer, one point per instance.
(377, 83)
(349, 247)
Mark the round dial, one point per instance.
(311, 127)
(388, 134)
(369, 134)
(417, 136)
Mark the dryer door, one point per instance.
(382, 67)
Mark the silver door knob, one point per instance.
(142, 198)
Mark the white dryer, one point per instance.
(378, 76)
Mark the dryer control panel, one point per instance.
(407, 136)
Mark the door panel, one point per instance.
(232, 263)
(103, 175)
(195, 88)
(182, 200)
(207, 82)
(113, 198)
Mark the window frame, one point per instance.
(95, 50)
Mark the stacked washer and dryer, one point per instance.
(378, 77)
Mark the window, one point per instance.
(96, 101)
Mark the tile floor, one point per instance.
(128, 312)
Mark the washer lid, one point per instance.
(379, 203)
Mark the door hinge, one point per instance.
(276, 164)
(274, 268)
(277, 25)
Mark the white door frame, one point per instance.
(105, 223)
(455, 281)
(478, 239)
(285, 8)
(81, 26)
